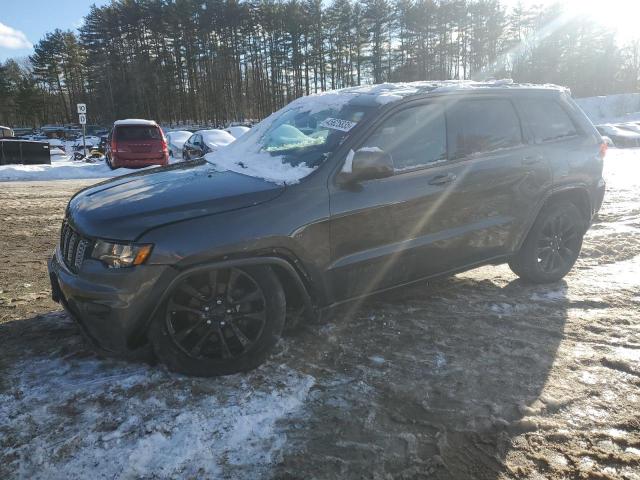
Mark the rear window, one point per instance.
(546, 119)
(138, 132)
(482, 126)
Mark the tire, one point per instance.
(552, 246)
(186, 334)
(110, 164)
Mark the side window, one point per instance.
(482, 126)
(546, 119)
(197, 140)
(413, 137)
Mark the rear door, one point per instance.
(571, 149)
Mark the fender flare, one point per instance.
(140, 334)
(544, 200)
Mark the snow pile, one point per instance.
(245, 156)
(258, 164)
(624, 107)
(61, 168)
(73, 418)
(237, 131)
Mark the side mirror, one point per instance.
(367, 163)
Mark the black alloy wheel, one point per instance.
(220, 321)
(552, 245)
(559, 244)
(220, 316)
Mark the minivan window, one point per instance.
(137, 132)
(413, 137)
(482, 126)
(546, 119)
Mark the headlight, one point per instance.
(119, 255)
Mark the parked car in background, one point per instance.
(237, 130)
(176, 140)
(620, 137)
(6, 132)
(136, 143)
(207, 260)
(205, 141)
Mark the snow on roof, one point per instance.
(135, 121)
(216, 137)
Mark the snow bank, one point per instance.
(611, 108)
(87, 418)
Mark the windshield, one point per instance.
(303, 136)
(291, 143)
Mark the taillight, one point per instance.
(603, 149)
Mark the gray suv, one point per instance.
(334, 197)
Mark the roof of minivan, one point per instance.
(135, 121)
(384, 93)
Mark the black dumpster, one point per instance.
(26, 152)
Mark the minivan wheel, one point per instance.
(220, 322)
(552, 246)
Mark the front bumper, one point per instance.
(112, 306)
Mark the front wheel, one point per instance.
(220, 322)
(552, 246)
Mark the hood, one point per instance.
(127, 206)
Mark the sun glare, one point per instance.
(620, 16)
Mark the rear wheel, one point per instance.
(552, 246)
(220, 322)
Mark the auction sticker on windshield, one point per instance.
(338, 124)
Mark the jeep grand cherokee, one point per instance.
(334, 197)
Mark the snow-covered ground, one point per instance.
(63, 167)
(169, 427)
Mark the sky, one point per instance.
(24, 22)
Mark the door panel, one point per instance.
(430, 220)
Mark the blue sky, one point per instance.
(24, 22)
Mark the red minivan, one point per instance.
(136, 143)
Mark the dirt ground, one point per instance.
(474, 377)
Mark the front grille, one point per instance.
(73, 247)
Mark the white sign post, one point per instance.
(82, 117)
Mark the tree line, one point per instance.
(215, 61)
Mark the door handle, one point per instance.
(531, 160)
(442, 179)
